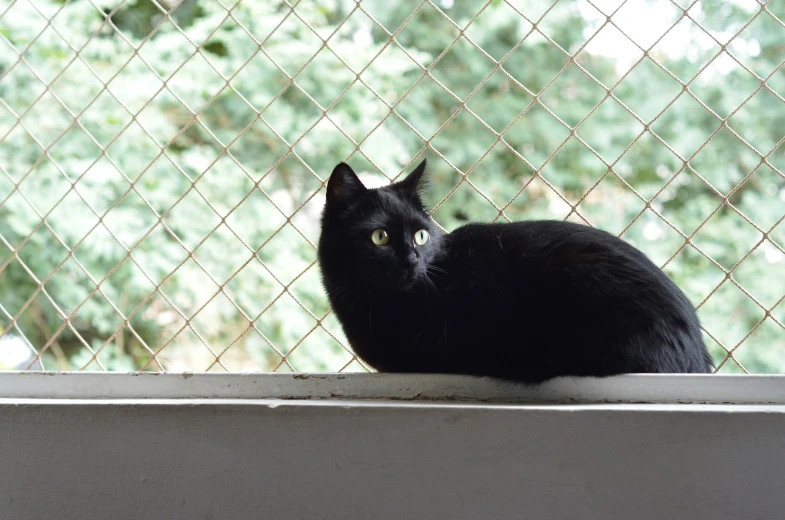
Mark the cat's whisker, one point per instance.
(435, 269)
(444, 334)
(428, 283)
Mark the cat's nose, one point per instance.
(412, 258)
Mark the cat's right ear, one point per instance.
(343, 185)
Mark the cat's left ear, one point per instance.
(416, 182)
(344, 185)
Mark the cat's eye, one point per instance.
(380, 237)
(421, 237)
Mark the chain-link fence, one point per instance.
(162, 164)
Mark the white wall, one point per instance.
(386, 459)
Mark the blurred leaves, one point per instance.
(187, 192)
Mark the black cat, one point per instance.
(526, 301)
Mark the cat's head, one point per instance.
(383, 237)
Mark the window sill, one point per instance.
(359, 446)
(630, 389)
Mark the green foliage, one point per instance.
(191, 227)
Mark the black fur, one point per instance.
(526, 301)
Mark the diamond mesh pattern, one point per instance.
(188, 320)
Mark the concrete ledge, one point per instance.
(642, 388)
(344, 459)
(360, 446)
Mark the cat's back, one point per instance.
(580, 286)
(533, 238)
(561, 257)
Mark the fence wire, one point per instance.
(180, 321)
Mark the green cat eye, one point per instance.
(421, 237)
(380, 237)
